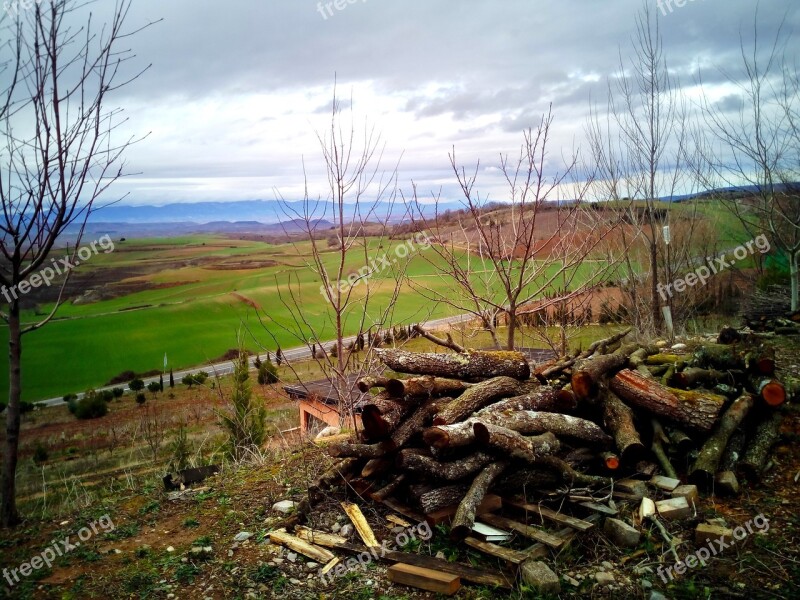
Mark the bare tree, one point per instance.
(56, 159)
(761, 148)
(499, 258)
(358, 280)
(640, 151)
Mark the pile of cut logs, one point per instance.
(466, 426)
(770, 310)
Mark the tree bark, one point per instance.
(707, 463)
(696, 377)
(464, 519)
(694, 409)
(426, 387)
(9, 517)
(365, 384)
(514, 444)
(544, 398)
(389, 489)
(475, 398)
(757, 451)
(530, 478)
(381, 415)
(449, 471)
(618, 419)
(472, 365)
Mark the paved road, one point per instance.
(226, 367)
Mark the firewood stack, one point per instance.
(466, 426)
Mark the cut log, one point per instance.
(698, 410)
(618, 419)
(424, 579)
(376, 466)
(472, 365)
(610, 460)
(529, 422)
(679, 440)
(657, 446)
(770, 391)
(588, 373)
(415, 423)
(476, 398)
(389, 489)
(426, 387)
(449, 471)
(663, 359)
(450, 436)
(710, 456)
(320, 538)
(365, 384)
(761, 361)
(545, 398)
(467, 509)
(755, 456)
(515, 480)
(696, 377)
(442, 497)
(734, 450)
(514, 444)
(490, 503)
(359, 450)
(381, 415)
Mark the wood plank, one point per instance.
(465, 572)
(549, 514)
(424, 579)
(360, 523)
(668, 484)
(538, 551)
(403, 509)
(599, 508)
(321, 538)
(490, 503)
(508, 554)
(532, 532)
(329, 566)
(311, 551)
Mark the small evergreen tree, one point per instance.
(154, 387)
(136, 384)
(246, 419)
(267, 373)
(278, 356)
(161, 382)
(171, 378)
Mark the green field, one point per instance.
(210, 288)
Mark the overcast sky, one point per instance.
(237, 89)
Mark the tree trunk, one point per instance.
(8, 511)
(707, 463)
(794, 274)
(693, 409)
(426, 387)
(472, 365)
(477, 397)
(465, 515)
(757, 451)
(415, 423)
(449, 471)
(618, 418)
(695, 377)
(360, 450)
